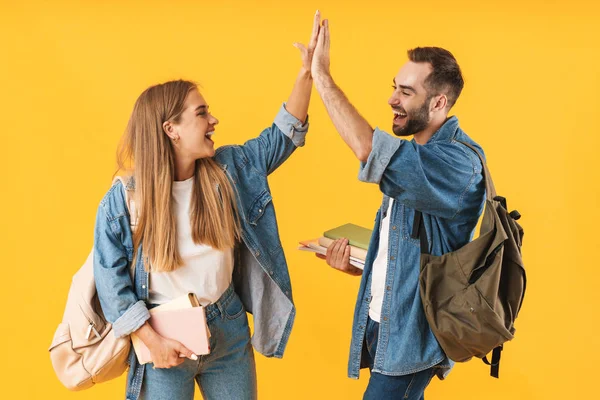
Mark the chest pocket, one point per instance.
(259, 207)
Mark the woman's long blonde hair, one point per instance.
(147, 150)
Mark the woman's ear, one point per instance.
(169, 130)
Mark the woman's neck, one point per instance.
(184, 169)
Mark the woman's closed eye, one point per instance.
(202, 111)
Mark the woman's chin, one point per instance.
(210, 152)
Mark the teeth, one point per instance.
(397, 113)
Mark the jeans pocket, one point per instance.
(234, 308)
(418, 383)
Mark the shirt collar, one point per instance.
(446, 131)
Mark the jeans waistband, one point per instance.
(215, 309)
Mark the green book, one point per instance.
(357, 235)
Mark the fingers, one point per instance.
(352, 270)
(335, 252)
(329, 254)
(331, 250)
(338, 257)
(346, 254)
(340, 253)
(186, 353)
(177, 362)
(325, 35)
(321, 36)
(321, 256)
(169, 362)
(347, 267)
(315, 31)
(300, 47)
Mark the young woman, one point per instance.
(205, 224)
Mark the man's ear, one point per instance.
(441, 102)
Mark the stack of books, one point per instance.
(358, 240)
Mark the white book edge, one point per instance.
(358, 263)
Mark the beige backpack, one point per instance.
(84, 350)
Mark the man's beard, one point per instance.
(417, 120)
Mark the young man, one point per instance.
(432, 173)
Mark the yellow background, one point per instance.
(71, 71)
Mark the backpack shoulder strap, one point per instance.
(129, 186)
(489, 184)
(127, 182)
(419, 232)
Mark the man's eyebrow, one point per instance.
(412, 89)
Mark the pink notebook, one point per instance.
(186, 325)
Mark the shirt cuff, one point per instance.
(291, 126)
(383, 148)
(131, 320)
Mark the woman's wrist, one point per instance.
(305, 73)
(148, 335)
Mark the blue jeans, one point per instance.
(227, 373)
(385, 387)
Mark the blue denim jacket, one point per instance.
(442, 179)
(260, 275)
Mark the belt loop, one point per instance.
(220, 308)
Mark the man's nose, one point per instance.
(394, 101)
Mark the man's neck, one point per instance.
(427, 133)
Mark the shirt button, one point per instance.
(389, 288)
(394, 227)
(361, 327)
(271, 272)
(260, 210)
(257, 253)
(143, 286)
(385, 318)
(392, 258)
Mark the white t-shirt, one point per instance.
(206, 272)
(379, 272)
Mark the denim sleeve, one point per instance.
(432, 178)
(118, 300)
(276, 143)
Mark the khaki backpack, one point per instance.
(84, 350)
(473, 295)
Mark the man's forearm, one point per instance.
(352, 127)
(297, 104)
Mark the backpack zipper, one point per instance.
(91, 326)
(89, 331)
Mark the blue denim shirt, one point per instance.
(442, 179)
(260, 275)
